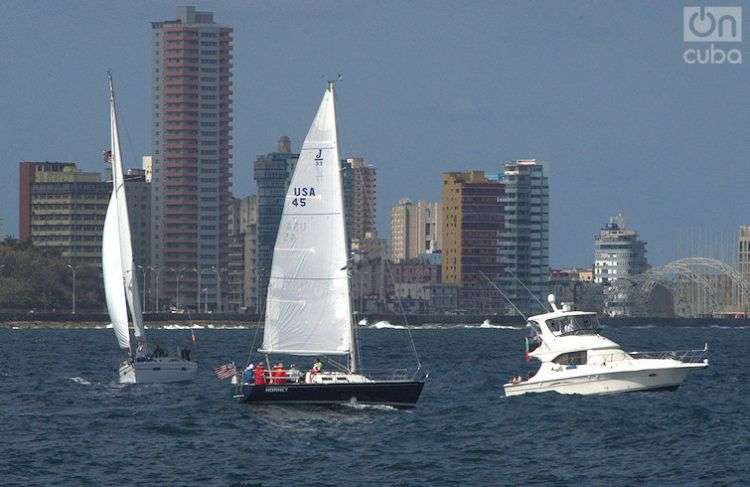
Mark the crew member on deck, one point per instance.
(247, 375)
(259, 374)
(278, 375)
(317, 366)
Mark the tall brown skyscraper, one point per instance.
(191, 173)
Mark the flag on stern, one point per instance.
(225, 371)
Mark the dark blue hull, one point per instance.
(399, 394)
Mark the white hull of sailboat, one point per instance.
(158, 371)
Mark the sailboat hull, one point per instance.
(157, 371)
(398, 394)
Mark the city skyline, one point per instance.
(600, 93)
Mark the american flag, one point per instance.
(225, 371)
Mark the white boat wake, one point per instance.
(80, 380)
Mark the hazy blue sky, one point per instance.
(597, 89)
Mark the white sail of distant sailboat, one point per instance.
(120, 282)
(308, 308)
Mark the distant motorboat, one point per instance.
(121, 285)
(576, 359)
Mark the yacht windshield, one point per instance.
(574, 325)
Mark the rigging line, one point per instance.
(528, 291)
(503, 295)
(403, 314)
(260, 308)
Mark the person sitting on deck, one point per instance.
(247, 374)
(259, 374)
(317, 365)
(294, 374)
(278, 375)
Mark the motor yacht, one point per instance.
(576, 359)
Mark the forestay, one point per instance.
(307, 308)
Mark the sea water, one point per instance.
(64, 419)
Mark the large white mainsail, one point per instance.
(114, 291)
(120, 279)
(308, 309)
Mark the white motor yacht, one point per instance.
(576, 359)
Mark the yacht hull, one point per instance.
(157, 371)
(607, 382)
(399, 394)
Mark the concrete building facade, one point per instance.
(743, 251)
(191, 159)
(472, 223)
(243, 224)
(272, 173)
(359, 182)
(415, 229)
(524, 241)
(63, 208)
(618, 254)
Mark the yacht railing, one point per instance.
(685, 356)
(398, 374)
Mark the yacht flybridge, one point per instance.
(121, 284)
(576, 359)
(308, 309)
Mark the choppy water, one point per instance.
(64, 420)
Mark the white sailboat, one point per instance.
(121, 283)
(308, 309)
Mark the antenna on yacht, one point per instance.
(527, 290)
(503, 295)
(551, 301)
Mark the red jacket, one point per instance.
(258, 375)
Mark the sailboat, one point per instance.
(121, 283)
(308, 307)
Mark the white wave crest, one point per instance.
(80, 380)
(376, 407)
(185, 327)
(384, 324)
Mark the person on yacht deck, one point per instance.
(247, 374)
(317, 366)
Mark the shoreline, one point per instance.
(180, 322)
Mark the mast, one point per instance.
(352, 334)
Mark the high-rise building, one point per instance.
(472, 223)
(191, 159)
(618, 254)
(63, 208)
(743, 262)
(524, 241)
(243, 219)
(273, 173)
(138, 192)
(359, 182)
(415, 229)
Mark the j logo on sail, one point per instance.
(319, 158)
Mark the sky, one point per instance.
(598, 90)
